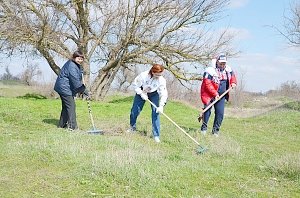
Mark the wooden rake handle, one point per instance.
(214, 102)
(175, 123)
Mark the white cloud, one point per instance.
(265, 72)
(239, 33)
(238, 3)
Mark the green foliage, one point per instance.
(293, 105)
(253, 157)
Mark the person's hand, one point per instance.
(86, 93)
(233, 85)
(144, 96)
(217, 97)
(160, 109)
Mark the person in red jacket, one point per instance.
(216, 80)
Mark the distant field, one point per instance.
(253, 157)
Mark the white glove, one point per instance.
(144, 96)
(233, 85)
(160, 109)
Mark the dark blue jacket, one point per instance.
(69, 80)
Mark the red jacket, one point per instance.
(210, 83)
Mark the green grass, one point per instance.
(253, 157)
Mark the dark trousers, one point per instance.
(219, 115)
(68, 114)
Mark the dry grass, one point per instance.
(285, 165)
(224, 146)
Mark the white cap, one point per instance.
(222, 58)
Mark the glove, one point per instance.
(160, 109)
(233, 85)
(144, 96)
(86, 93)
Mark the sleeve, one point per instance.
(233, 78)
(80, 89)
(231, 74)
(162, 91)
(137, 84)
(75, 78)
(207, 83)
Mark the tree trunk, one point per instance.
(104, 79)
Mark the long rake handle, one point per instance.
(175, 123)
(90, 112)
(214, 102)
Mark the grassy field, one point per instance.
(253, 157)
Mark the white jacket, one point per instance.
(151, 85)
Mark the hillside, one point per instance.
(254, 157)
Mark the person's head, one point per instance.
(221, 61)
(78, 57)
(156, 70)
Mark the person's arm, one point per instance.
(75, 78)
(137, 84)
(233, 81)
(232, 76)
(208, 84)
(163, 92)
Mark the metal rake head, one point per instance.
(201, 150)
(95, 132)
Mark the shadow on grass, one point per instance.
(190, 129)
(32, 96)
(127, 99)
(51, 121)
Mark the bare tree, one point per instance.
(8, 76)
(115, 34)
(30, 73)
(238, 95)
(124, 78)
(292, 25)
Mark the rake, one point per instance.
(93, 130)
(200, 148)
(200, 117)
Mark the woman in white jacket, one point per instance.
(149, 85)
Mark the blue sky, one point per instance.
(266, 60)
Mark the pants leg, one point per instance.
(137, 107)
(205, 120)
(219, 115)
(68, 112)
(63, 115)
(154, 97)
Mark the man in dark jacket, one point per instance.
(67, 85)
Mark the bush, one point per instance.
(293, 105)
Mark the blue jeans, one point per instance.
(219, 115)
(137, 107)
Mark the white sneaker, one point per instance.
(156, 139)
(131, 130)
(203, 132)
(216, 134)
